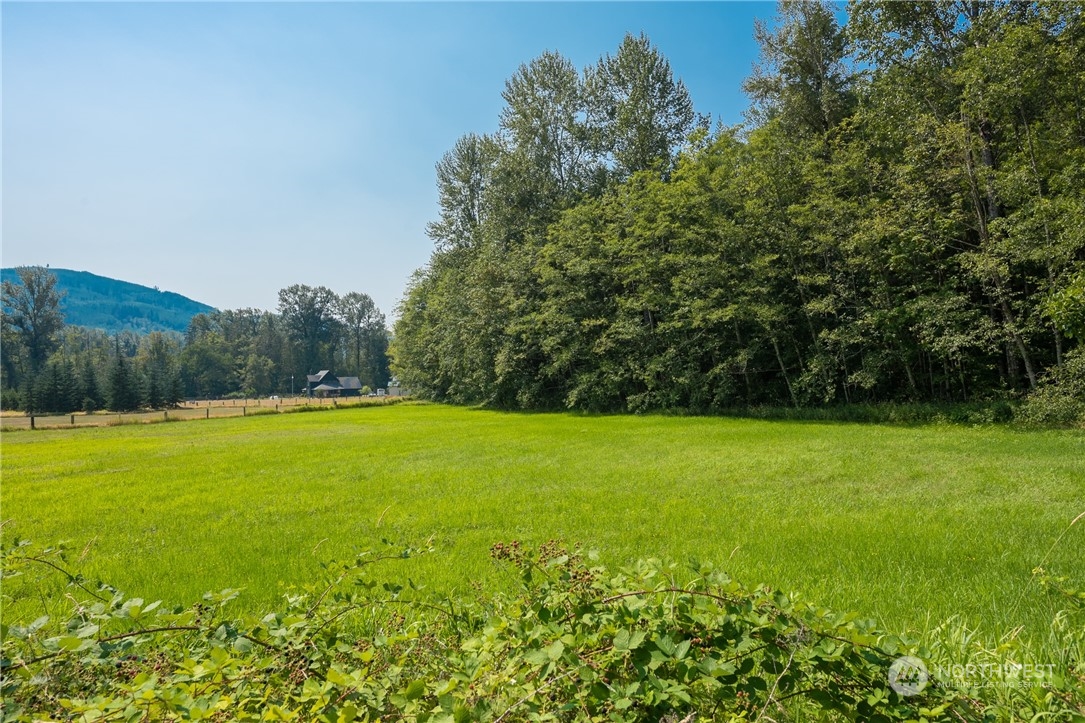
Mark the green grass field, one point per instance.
(908, 525)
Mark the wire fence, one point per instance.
(189, 410)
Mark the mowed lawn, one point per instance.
(908, 525)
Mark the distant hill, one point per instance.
(99, 302)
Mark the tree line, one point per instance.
(48, 366)
(899, 219)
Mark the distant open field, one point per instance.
(908, 525)
(185, 411)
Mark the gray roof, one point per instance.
(331, 383)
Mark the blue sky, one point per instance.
(227, 150)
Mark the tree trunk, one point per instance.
(783, 371)
(1047, 229)
(1020, 342)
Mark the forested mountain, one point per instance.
(99, 302)
(900, 219)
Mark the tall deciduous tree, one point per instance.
(802, 77)
(464, 176)
(367, 337)
(206, 367)
(309, 318)
(543, 120)
(32, 308)
(640, 113)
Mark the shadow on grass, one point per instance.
(970, 414)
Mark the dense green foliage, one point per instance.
(577, 641)
(99, 302)
(53, 368)
(899, 220)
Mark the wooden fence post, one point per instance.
(244, 411)
(165, 414)
(32, 422)
(207, 413)
(73, 420)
